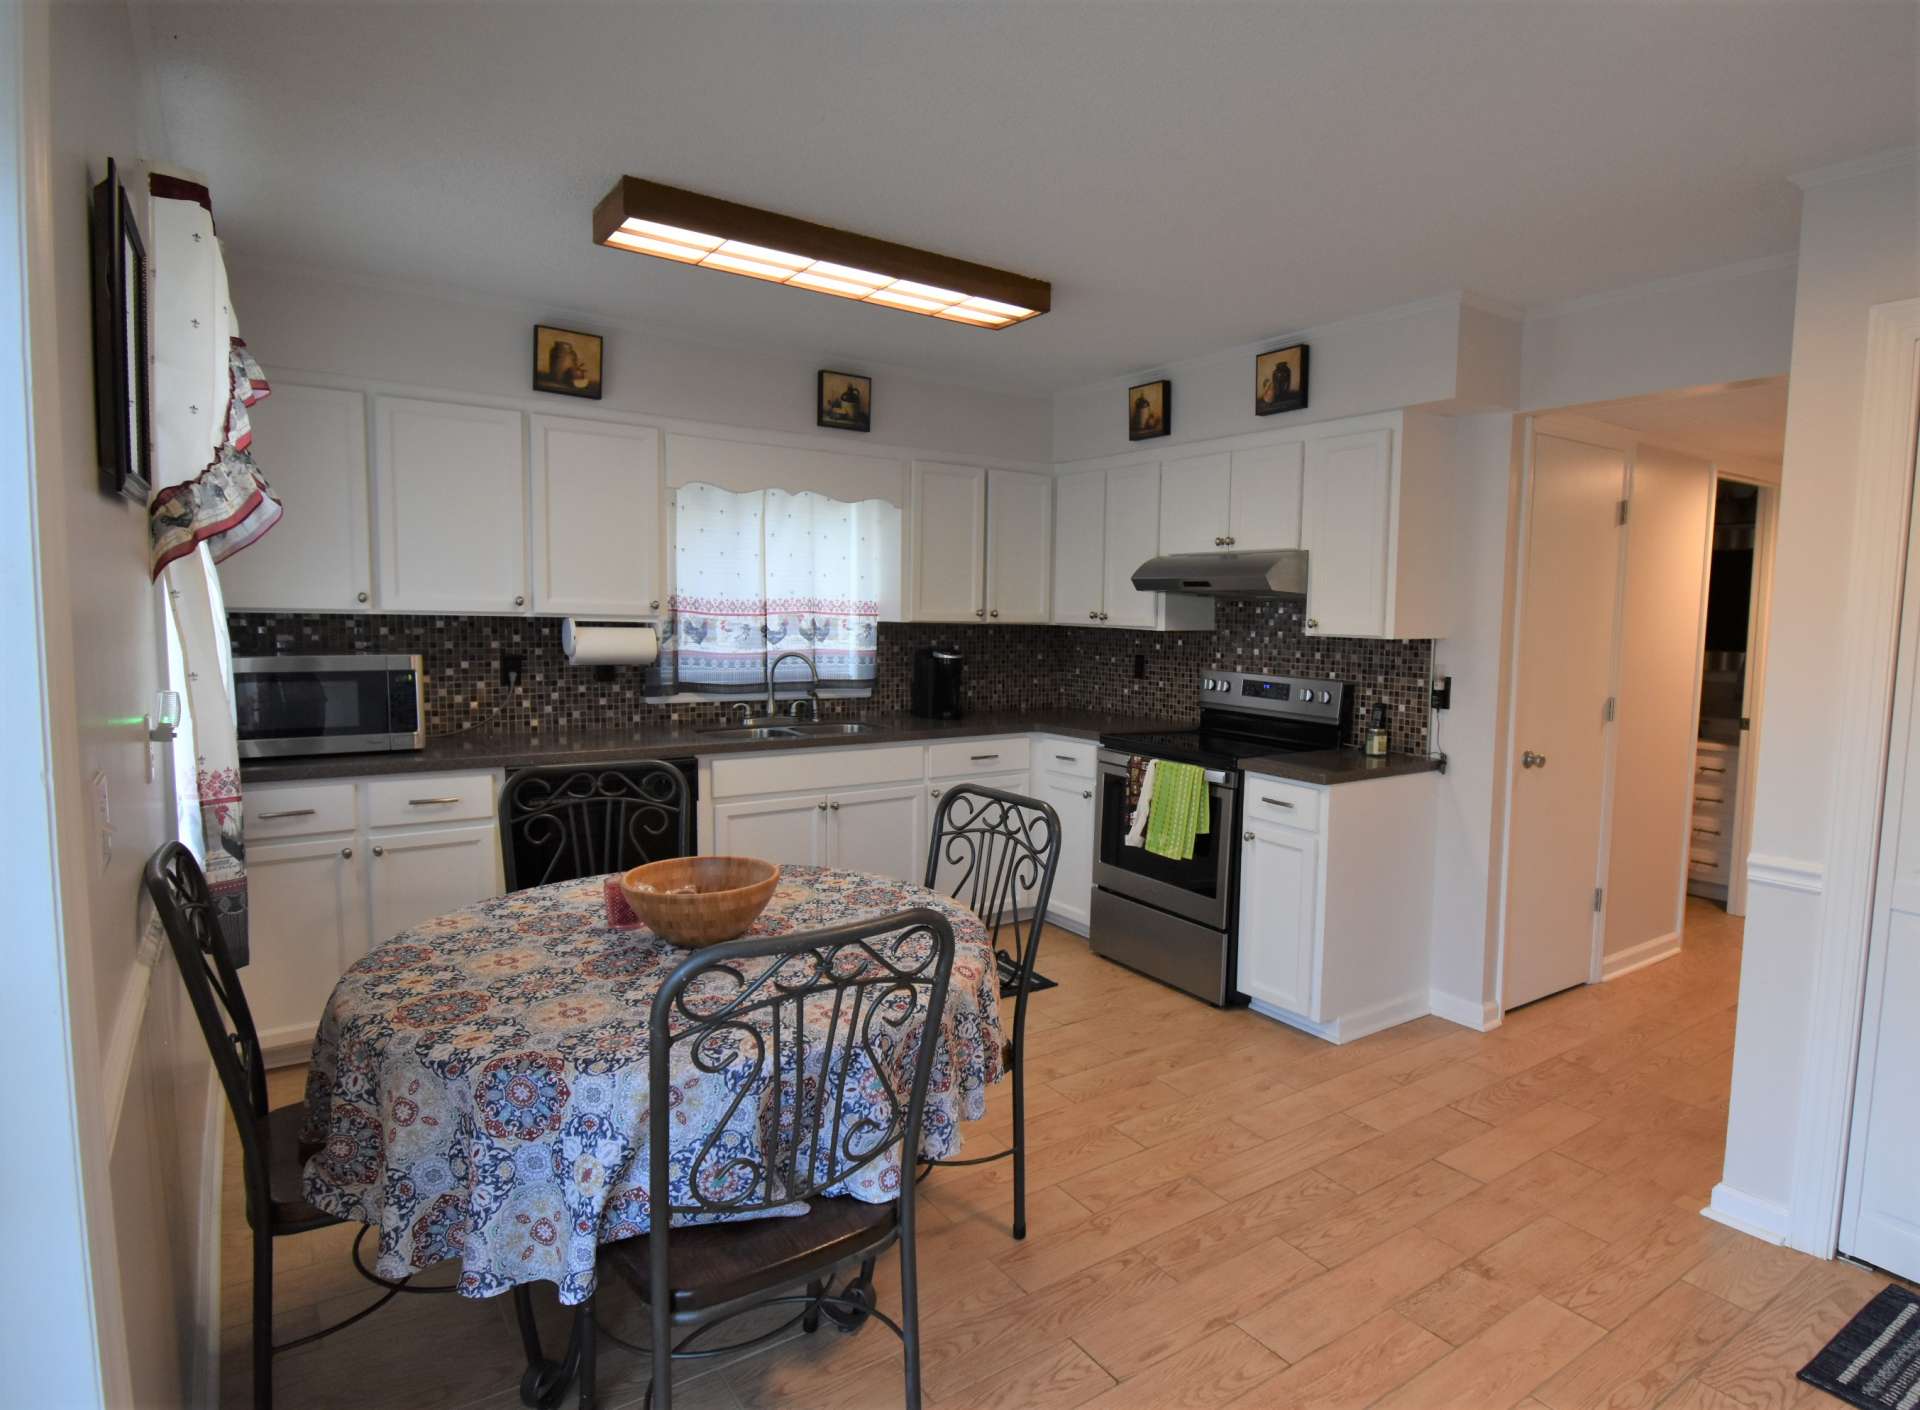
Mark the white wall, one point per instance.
(1441, 352)
(297, 322)
(144, 1074)
(1472, 733)
(1723, 325)
(1662, 606)
(1857, 249)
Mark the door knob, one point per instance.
(1531, 760)
(1246, 837)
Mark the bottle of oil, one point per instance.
(1377, 733)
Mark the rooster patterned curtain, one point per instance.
(208, 502)
(764, 572)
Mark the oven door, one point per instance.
(293, 705)
(1199, 890)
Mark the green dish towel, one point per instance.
(1178, 812)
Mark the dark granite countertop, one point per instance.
(1338, 766)
(512, 751)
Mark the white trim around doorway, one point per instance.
(1870, 647)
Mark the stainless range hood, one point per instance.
(1275, 573)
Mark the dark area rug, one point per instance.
(1874, 1362)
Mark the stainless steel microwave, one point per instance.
(292, 705)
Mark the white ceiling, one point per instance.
(1742, 420)
(1189, 175)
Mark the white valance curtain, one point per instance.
(763, 572)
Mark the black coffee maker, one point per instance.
(937, 672)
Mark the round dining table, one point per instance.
(478, 1089)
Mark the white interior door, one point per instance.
(1880, 1211)
(1569, 606)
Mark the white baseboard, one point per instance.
(1761, 1218)
(1078, 927)
(1468, 1013)
(204, 1373)
(1354, 1025)
(1661, 947)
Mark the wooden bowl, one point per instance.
(696, 901)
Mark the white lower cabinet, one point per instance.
(306, 922)
(1279, 890)
(879, 830)
(1063, 776)
(785, 831)
(1335, 888)
(325, 883)
(415, 876)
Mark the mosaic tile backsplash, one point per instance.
(1008, 668)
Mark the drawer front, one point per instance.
(429, 798)
(795, 770)
(1072, 757)
(274, 810)
(976, 756)
(1288, 804)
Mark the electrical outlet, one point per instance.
(513, 668)
(1139, 667)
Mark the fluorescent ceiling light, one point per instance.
(668, 223)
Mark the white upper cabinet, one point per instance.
(451, 488)
(312, 447)
(1344, 522)
(596, 518)
(1133, 536)
(1079, 546)
(1246, 499)
(1193, 503)
(949, 543)
(1263, 503)
(1376, 518)
(1019, 545)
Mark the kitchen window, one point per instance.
(760, 573)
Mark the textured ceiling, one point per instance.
(1189, 175)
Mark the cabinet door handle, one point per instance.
(287, 813)
(655, 604)
(834, 806)
(379, 851)
(359, 597)
(1103, 616)
(934, 791)
(1093, 616)
(994, 613)
(821, 805)
(981, 758)
(347, 852)
(430, 802)
(1218, 542)
(1066, 758)
(1313, 624)
(519, 602)
(1246, 837)
(1228, 541)
(1277, 802)
(1086, 793)
(979, 611)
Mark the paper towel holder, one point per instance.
(601, 643)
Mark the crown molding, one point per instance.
(1874, 162)
(1672, 283)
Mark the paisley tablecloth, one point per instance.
(479, 1083)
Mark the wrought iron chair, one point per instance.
(271, 1156)
(563, 821)
(1000, 851)
(873, 993)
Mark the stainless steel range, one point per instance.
(1176, 920)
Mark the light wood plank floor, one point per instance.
(1226, 1212)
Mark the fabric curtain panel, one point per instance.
(208, 502)
(759, 573)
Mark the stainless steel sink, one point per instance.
(747, 733)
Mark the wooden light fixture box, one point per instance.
(689, 228)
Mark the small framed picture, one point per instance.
(1280, 380)
(566, 362)
(123, 411)
(1150, 410)
(845, 402)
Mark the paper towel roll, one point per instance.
(608, 643)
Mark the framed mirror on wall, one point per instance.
(122, 394)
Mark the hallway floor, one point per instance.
(1226, 1212)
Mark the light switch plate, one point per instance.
(102, 816)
